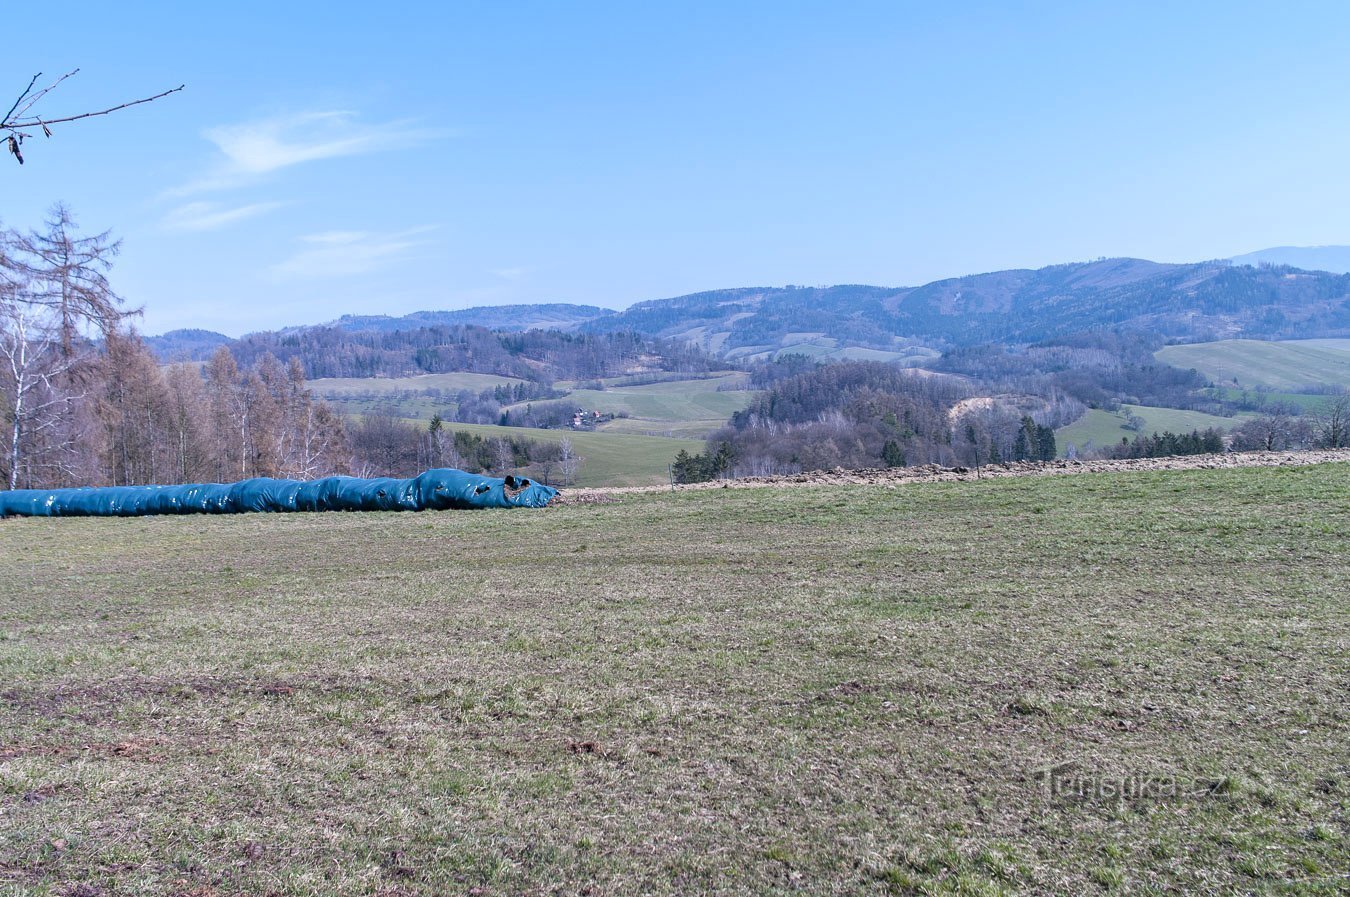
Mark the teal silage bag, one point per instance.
(443, 489)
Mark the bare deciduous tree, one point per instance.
(189, 423)
(1333, 423)
(68, 275)
(1272, 433)
(53, 291)
(35, 398)
(569, 462)
(229, 415)
(504, 459)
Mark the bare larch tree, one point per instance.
(55, 301)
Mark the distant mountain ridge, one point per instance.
(547, 316)
(1335, 259)
(1181, 302)
(1187, 302)
(193, 344)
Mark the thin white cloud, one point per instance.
(336, 237)
(203, 216)
(250, 150)
(509, 273)
(347, 253)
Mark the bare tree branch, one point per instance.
(25, 93)
(34, 98)
(18, 118)
(56, 121)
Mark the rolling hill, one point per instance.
(1288, 364)
(1335, 259)
(681, 408)
(551, 316)
(186, 345)
(608, 459)
(1098, 428)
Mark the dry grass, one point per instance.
(835, 690)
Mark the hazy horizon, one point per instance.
(1279, 255)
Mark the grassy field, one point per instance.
(1287, 364)
(448, 383)
(823, 348)
(414, 398)
(1100, 428)
(612, 459)
(409, 407)
(815, 690)
(663, 418)
(688, 408)
(1303, 401)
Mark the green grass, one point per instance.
(415, 408)
(412, 398)
(634, 451)
(1287, 364)
(1098, 428)
(691, 429)
(1303, 401)
(828, 349)
(448, 383)
(1179, 420)
(814, 690)
(611, 459)
(690, 408)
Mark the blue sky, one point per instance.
(384, 158)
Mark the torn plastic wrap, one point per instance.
(435, 490)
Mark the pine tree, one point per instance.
(892, 455)
(722, 461)
(1045, 442)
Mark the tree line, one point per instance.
(1099, 369)
(384, 445)
(85, 402)
(848, 414)
(539, 356)
(1167, 443)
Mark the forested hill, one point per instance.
(518, 345)
(550, 316)
(1209, 300)
(190, 344)
(537, 355)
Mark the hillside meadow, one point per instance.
(658, 419)
(609, 459)
(690, 408)
(1098, 429)
(681, 408)
(1278, 364)
(1105, 683)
